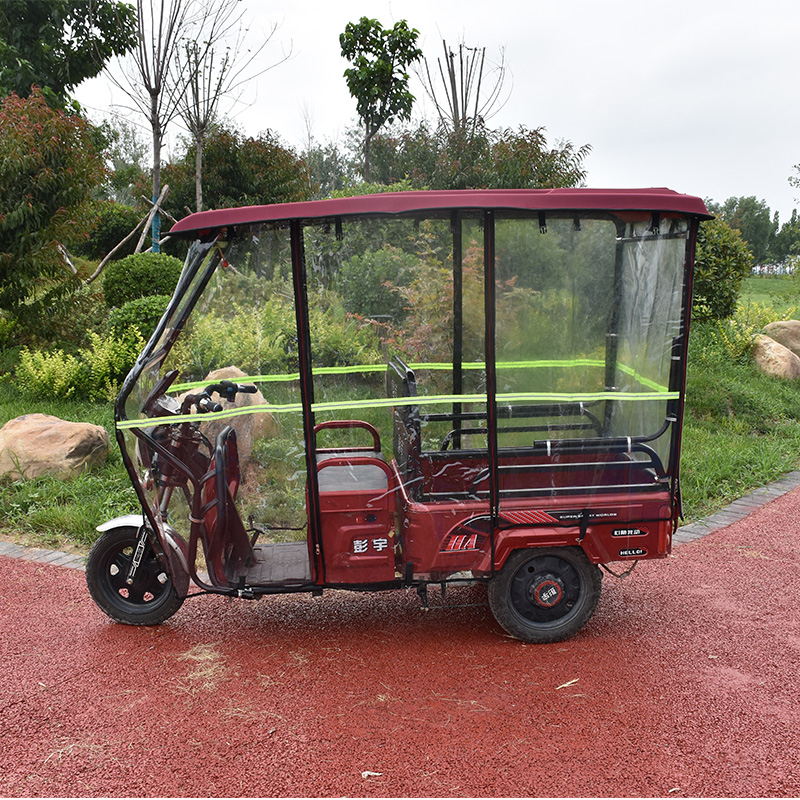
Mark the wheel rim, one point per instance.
(151, 585)
(546, 590)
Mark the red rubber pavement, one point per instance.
(685, 683)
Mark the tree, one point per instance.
(150, 78)
(239, 170)
(329, 169)
(787, 240)
(467, 95)
(58, 44)
(751, 217)
(216, 68)
(483, 158)
(126, 152)
(49, 169)
(157, 77)
(722, 261)
(378, 79)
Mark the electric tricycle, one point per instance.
(405, 390)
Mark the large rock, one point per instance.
(787, 333)
(772, 358)
(38, 444)
(248, 427)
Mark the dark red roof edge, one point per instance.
(664, 200)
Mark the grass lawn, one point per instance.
(782, 292)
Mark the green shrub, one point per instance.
(55, 375)
(109, 360)
(140, 275)
(7, 325)
(113, 222)
(72, 319)
(722, 262)
(142, 314)
(94, 374)
(368, 282)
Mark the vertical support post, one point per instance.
(677, 380)
(458, 322)
(612, 341)
(306, 387)
(491, 373)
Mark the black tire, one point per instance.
(545, 594)
(151, 598)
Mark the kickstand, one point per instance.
(422, 592)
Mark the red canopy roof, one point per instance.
(664, 200)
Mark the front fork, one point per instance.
(141, 544)
(138, 555)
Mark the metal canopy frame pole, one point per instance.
(680, 365)
(491, 373)
(612, 337)
(306, 388)
(458, 322)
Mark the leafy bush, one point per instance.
(109, 360)
(7, 325)
(71, 319)
(55, 375)
(49, 168)
(142, 314)
(735, 334)
(113, 222)
(94, 374)
(368, 282)
(140, 275)
(264, 339)
(722, 262)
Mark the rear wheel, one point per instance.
(149, 600)
(545, 594)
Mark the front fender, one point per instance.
(175, 548)
(126, 521)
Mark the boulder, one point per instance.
(248, 427)
(772, 358)
(38, 444)
(787, 333)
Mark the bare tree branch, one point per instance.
(216, 68)
(466, 100)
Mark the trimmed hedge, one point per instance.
(142, 314)
(140, 275)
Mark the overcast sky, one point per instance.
(702, 97)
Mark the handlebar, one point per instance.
(227, 390)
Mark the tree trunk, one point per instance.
(367, 143)
(156, 124)
(198, 169)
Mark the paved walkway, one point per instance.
(683, 684)
(736, 511)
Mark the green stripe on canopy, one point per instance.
(392, 402)
(441, 366)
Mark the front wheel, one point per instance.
(149, 600)
(545, 594)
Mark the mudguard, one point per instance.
(174, 546)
